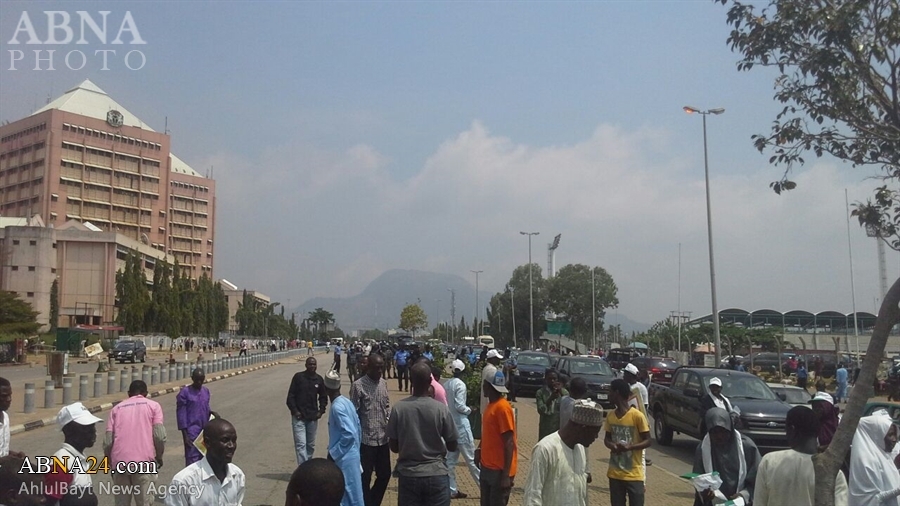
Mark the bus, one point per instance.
(486, 341)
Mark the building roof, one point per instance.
(87, 99)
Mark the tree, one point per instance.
(839, 67)
(413, 318)
(54, 305)
(16, 315)
(132, 295)
(570, 295)
(321, 318)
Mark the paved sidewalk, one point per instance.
(43, 417)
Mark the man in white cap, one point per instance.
(487, 374)
(73, 485)
(829, 418)
(714, 399)
(558, 475)
(456, 399)
(639, 398)
(344, 439)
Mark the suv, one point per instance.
(618, 358)
(657, 369)
(129, 350)
(531, 366)
(595, 372)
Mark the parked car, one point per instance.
(531, 366)
(791, 394)
(657, 369)
(677, 408)
(129, 350)
(618, 358)
(596, 373)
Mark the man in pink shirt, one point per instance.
(135, 441)
(439, 393)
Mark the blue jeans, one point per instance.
(468, 452)
(304, 438)
(424, 491)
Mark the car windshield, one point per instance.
(746, 387)
(591, 367)
(540, 360)
(796, 396)
(125, 345)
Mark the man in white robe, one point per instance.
(558, 475)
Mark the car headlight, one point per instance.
(129, 352)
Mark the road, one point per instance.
(255, 404)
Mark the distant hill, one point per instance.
(379, 305)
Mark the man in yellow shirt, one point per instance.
(627, 435)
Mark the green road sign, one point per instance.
(559, 328)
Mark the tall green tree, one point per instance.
(413, 318)
(54, 305)
(837, 69)
(16, 315)
(132, 295)
(320, 318)
(573, 295)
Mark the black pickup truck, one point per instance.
(677, 408)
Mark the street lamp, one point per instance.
(530, 290)
(712, 265)
(477, 332)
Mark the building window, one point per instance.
(15, 242)
(15, 267)
(53, 270)
(30, 268)
(32, 243)
(30, 294)
(54, 245)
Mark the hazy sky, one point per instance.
(348, 138)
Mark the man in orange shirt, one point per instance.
(498, 453)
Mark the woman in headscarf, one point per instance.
(731, 454)
(874, 478)
(829, 418)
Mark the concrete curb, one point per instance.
(47, 422)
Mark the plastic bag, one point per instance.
(707, 481)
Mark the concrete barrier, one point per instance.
(145, 375)
(29, 397)
(154, 374)
(111, 382)
(124, 380)
(67, 390)
(98, 384)
(49, 394)
(83, 382)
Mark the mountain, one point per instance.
(380, 303)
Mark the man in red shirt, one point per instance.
(136, 437)
(498, 453)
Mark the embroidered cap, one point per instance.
(822, 396)
(332, 380)
(631, 368)
(586, 412)
(715, 381)
(458, 365)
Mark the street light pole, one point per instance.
(530, 290)
(476, 331)
(712, 265)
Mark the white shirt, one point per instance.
(198, 485)
(788, 477)
(487, 374)
(4, 435)
(557, 476)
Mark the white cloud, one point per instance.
(300, 222)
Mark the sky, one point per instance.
(349, 138)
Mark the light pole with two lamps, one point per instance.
(530, 291)
(712, 265)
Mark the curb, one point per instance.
(47, 422)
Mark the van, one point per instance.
(486, 341)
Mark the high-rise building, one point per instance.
(85, 157)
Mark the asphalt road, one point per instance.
(255, 404)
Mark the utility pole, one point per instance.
(452, 314)
(530, 288)
(477, 331)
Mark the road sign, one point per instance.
(559, 328)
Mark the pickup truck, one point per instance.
(677, 408)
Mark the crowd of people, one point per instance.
(429, 430)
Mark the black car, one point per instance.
(594, 371)
(657, 369)
(128, 350)
(531, 366)
(618, 358)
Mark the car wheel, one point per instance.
(661, 430)
(143, 358)
(132, 359)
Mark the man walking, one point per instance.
(558, 475)
(337, 358)
(627, 435)
(193, 412)
(344, 434)
(73, 485)
(370, 397)
(213, 480)
(402, 360)
(547, 401)
(306, 388)
(421, 432)
(789, 473)
(841, 376)
(498, 454)
(487, 374)
(639, 398)
(243, 348)
(5, 403)
(456, 396)
(135, 433)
